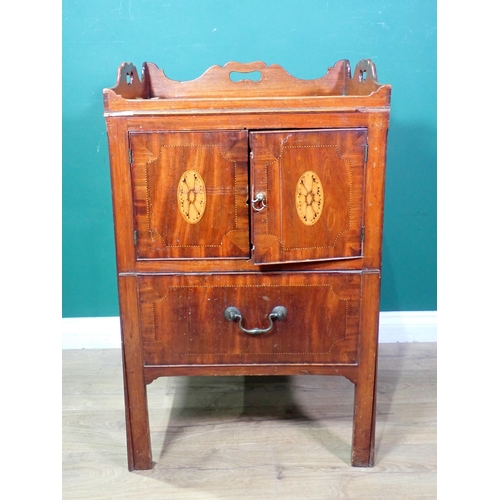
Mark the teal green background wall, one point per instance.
(184, 38)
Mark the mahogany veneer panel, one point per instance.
(183, 182)
(182, 318)
(314, 182)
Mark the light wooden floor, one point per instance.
(250, 438)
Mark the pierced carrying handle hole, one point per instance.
(238, 76)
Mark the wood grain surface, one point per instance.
(279, 163)
(250, 437)
(183, 323)
(175, 214)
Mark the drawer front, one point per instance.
(183, 318)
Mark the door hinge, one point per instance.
(366, 153)
(135, 237)
(130, 157)
(362, 234)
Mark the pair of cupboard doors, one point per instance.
(273, 196)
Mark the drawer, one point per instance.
(183, 318)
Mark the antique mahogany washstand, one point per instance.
(248, 226)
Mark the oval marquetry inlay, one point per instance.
(309, 198)
(191, 196)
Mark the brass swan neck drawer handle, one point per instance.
(233, 314)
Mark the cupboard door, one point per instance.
(190, 193)
(307, 192)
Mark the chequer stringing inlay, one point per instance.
(309, 198)
(191, 196)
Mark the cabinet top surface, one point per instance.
(228, 89)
